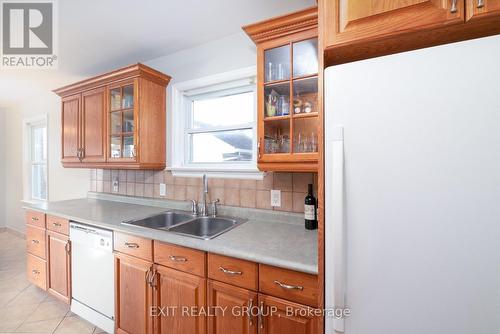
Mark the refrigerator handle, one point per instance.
(338, 228)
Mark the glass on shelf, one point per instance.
(116, 122)
(305, 96)
(128, 121)
(128, 97)
(305, 58)
(277, 100)
(116, 147)
(128, 146)
(116, 99)
(277, 136)
(277, 63)
(305, 135)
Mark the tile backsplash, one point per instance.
(231, 192)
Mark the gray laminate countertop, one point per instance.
(276, 239)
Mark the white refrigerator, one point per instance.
(413, 191)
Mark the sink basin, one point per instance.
(162, 221)
(207, 227)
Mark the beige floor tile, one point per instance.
(49, 311)
(13, 316)
(30, 296)
(7, 297)
(74, 325)
(40, 327)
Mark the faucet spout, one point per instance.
(204, 211)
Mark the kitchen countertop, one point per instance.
(263, 238)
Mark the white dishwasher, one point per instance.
(92, 275)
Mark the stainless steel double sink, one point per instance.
(184, 223)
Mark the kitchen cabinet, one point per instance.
(59, 265)
(477, 9)
(36, 258)
(235, 309)
(351, 21)
(353, 30)
(133, 293)
(182, 296)
(278, 316)
(289, 92)
(115, 120)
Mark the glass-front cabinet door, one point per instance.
(122, 122)
(289, 112)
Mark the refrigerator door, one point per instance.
(420, 223)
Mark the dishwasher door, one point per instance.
(92, 273)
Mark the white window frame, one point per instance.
(28, 125)
(242, 80)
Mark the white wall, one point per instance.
(223, 55)
(2, 168)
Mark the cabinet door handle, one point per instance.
(35, 272)
(289, 287)
(153, 279)
(67, 247)
(148, 276)
(261, 315)
(178, 258)
(131, 245)
(230, 272)
(57, 224)
(35, 219)
(480, 3)
(35, 241)
(250, 317)
(454, 7)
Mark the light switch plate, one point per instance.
(163, 189)
(276, 198)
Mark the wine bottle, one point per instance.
(310, 213)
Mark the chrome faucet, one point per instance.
(204, 210)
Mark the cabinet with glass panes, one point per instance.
(288, 100)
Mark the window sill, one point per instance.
(223, 173)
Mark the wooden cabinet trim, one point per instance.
(59, 266)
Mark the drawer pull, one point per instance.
(131, 245)
(35, 241)
(35, 219)
(480, 3)
(289, 287)
(35, 272)
(230, 272)
(57, 224)
(178, 258)
(261, 316)
(453, 8)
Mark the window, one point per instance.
(214, 126)
(37, 133)
(221, 127)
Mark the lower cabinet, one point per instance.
(278, 316)
(180, 302)
(59, 265)
(133, 293)
(234, 309)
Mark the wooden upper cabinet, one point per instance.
(482, 8)
(71, 128)
(116, 120)
(177, 292)
(289, 91)
(133, 295)
(93, 126)
(351, 21)
(59, 265)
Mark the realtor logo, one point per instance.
(28, 34)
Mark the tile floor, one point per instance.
(25, 308)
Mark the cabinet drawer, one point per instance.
(35, 218)
(57, 224)
(36, 271)
(180, 258)
(35, 241)
(287, 284)
(135, 246)
(237, 272)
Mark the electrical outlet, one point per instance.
(163, 189)
(276, 198)
(115, 185)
